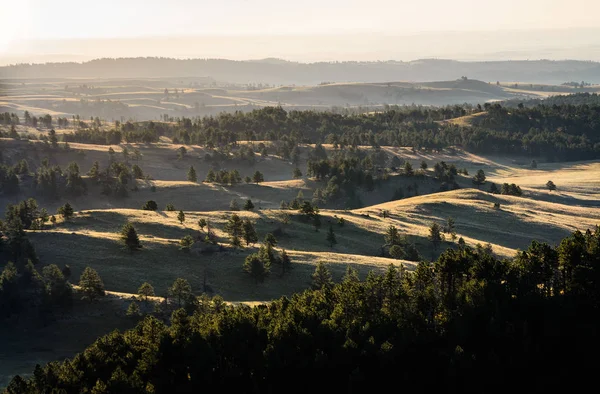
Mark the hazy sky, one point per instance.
(242, 28)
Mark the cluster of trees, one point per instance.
(398, 246)
(231, 177)
(119, 176)
(466, 320)
(506, 189)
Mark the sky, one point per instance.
(306, 30)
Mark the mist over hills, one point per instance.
(276, 71)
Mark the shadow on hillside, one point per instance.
(111, 221)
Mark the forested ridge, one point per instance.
(564, 130)
(467, 322)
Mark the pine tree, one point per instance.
(234, 206)
(249, 232)
(53, 220)
(479, 178)
(146, 290)
(234, 227)
(270, 240)
(331, 237)
(170, 207)
(181, 290)
(435, 235)
(210, 177)
(130, 238)
(137, 172)
(550, 185)
(408, 169)
(248, 206)
(181, 217)
(202, 223)
(191, 175)
(186, 243)
(321, 277)
(297, 173)
(94, 172)
(256, 267)
(150, 205)
(451, 228)
(258, 177)
(392, 236)
(91, 284)
(133, 310)
(66, 211)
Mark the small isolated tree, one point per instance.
(297, 173)
(186, 243)
(181, 290)
(234, 206)
(258, 177)
(533, 164)
(423, 165)
(248, 205)
(191, 175)
(66, 211)
(331, 237)
(249, 232)
(181, 217)
(256, 267)
(91, 284)
(321, 278)
(550, 185)
(150, 205)
(170, 208)
(202, 223)
(435, 235)
(479, 178)
(494, 189)
(53, 220)
(134, 309)
(130, 238)
(145, 291)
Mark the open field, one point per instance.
(91, 237)
(119, 99)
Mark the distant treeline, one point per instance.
(553, 132)
(468, 322)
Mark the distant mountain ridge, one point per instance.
(277, 71)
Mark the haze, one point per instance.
(305, 31)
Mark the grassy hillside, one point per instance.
(114, 99)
